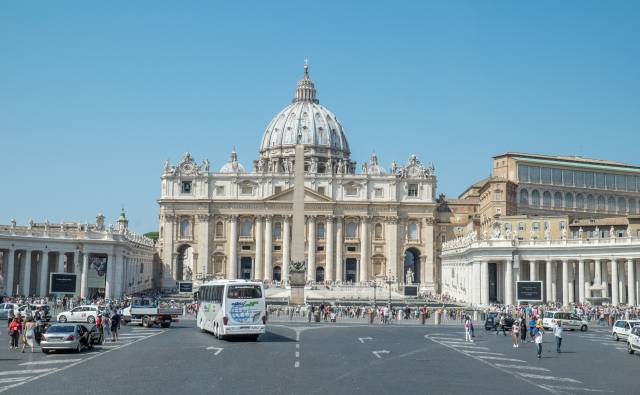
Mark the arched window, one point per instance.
(277, 231)
(219, 230)
(319, 274)
(546, 199)
(351, 230)
(246, 228)
(632, 206)
(602, 205)
(611, 204)
(412, 232)
(591, 202)
(557, 199)
(568, 200)
(378, 231)
(277, 273)
(185, 230)
(622, 204)
(524, 197)
(579, 201)
(320, 231)
(535, 198)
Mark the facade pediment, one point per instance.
(309, 196)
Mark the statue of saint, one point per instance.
(409, 276)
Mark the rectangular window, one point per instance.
(562, 225)
(557, 177)
(546, 175)
(186, 186)
(379, 193)
(351, 190)
(498, 210)
(277, 189)
(141, 268)
(413, 190)
(321, 190)
(611, 181)
(443, 238)
(535, 226)
(579, 179)
(546, 225)
(246, 190)
(621, 182)
(534, 174)
(276, 248)
(220, 190)
(567, 178)
(498, 195)
(589, 179)
(521, 226)
(523, 173)
(246, 248)
(351, 249)
(244, 292)
(631, 184)
(320, 248)
(600, 184)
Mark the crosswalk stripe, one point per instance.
(13, 379)
(574, 389)
(482, 352)
(468, 346)
(501, 358)
(521, 367)
(25, 371)
(50, 361)
(552, 378)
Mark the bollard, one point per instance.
(437, 318)
(422, 318)
(371, 317)
(475, 315)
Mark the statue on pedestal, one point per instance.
(409, 277)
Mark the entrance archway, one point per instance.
(411, 262)
(319, 274)
(277, 273)
(246, 266)
(184, 263)
(351, 270)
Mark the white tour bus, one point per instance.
(232, 307)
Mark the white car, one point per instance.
(621, 328)
(569, 321)
(80, 314)
(633, 340)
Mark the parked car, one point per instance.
(34, 308)
(5, 308)
(493, 319)
(569, 321)
(66, 337)
(95, 336)
(621, 328)
(633, 340)
(80, 314)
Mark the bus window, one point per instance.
(244, 292)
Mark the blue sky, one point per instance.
(95, 95)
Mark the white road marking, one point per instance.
(500, 358)
(297, 364)
(377, 353)
(218, 349)
(297, 354)
(12, 380)
(565, 388)
(552, 378)
(362, 339)
(297, 345)
(50, 361)
(470, 347)
(26, 371)
(521, 367)
(482, 352)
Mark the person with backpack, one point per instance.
(467, 330)
(538, 340)
(557, 333)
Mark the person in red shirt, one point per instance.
(14, 329)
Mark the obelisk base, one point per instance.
(297, 295)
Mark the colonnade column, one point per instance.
(597, 274)
(581, 288)
(565, 282)
(631, 282)
(232, 273)
(549, 281)
(203, 243)
(10, 270)
(268, 248)
(84, 285)
(476, 283)
(339, 247)
(484, 282)
(311, 248)
(167, 245)
(286, 249)
(118, 270)
(533, 271)
(26, 278)
(258, 263)
(570, 284)
(60, 265)
(44, 272)
(329, 248)
(391, 225)
(604, 279)
(508, 282)
(587, 281)
(614, 283)
(110, 279)
(621, 283)
(364, 249)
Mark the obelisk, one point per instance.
(297, 268)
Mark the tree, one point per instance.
(153, 235)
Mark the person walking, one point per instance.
(115, 323)
(14, 331)
(29, 337)
(523, 330)
(515, 334)
(557, 332)
(467, 330)
(501, 325)
(537, 338)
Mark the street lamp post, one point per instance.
(375, 285)
(389, 280)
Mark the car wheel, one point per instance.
(630, 348)
(616, 337)
(45, 351)
(583, 328)
(91, 319)
(78, 348)
(62, 318)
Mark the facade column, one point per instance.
(554, 282)
(268, 248)
(60, 265)
(118, 270)
(484, 282)
(259, 263)
(631, 282)
(614, 283)
(203, 243)
(26, 277)
(111, 278)
(621, 283)
(605, 279)
(508, 282)
(476, 283)
(571, 286)
(329, 264)
(597, 274)
(587, 281)
(339, 249)
(548, 281)
(232, 272)
(311, 248)
(84, 285)
(364, 249)
(565, 282)
(167, 253)
(581, 288)
(286, 248)
(533, 271)
(8, 289)
(44, 273)
(429, 263)
(392, 245)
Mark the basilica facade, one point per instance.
(363, 222)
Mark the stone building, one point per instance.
(109, 261)
(363, 223)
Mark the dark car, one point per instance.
(493, 319)
(95, 336)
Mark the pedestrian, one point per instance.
(29, 337)
(538, 340)
(14, 330)
(557, 332)
(523, 330)
(515, 334)
(467, 330)
(501, 325)
(106, 325)
(115, 323)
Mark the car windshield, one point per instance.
(634, 323)
(60, 329)
(244, 292)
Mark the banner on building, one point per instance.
(185, 287)
(97, 275)
(529, 291)
(62, 283)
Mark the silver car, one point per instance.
(5, 308)
(66, 337)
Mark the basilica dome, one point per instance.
(305, 120)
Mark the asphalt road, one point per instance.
(300, 358)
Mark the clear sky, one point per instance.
(95, 95)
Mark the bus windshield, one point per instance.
(244, 292)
